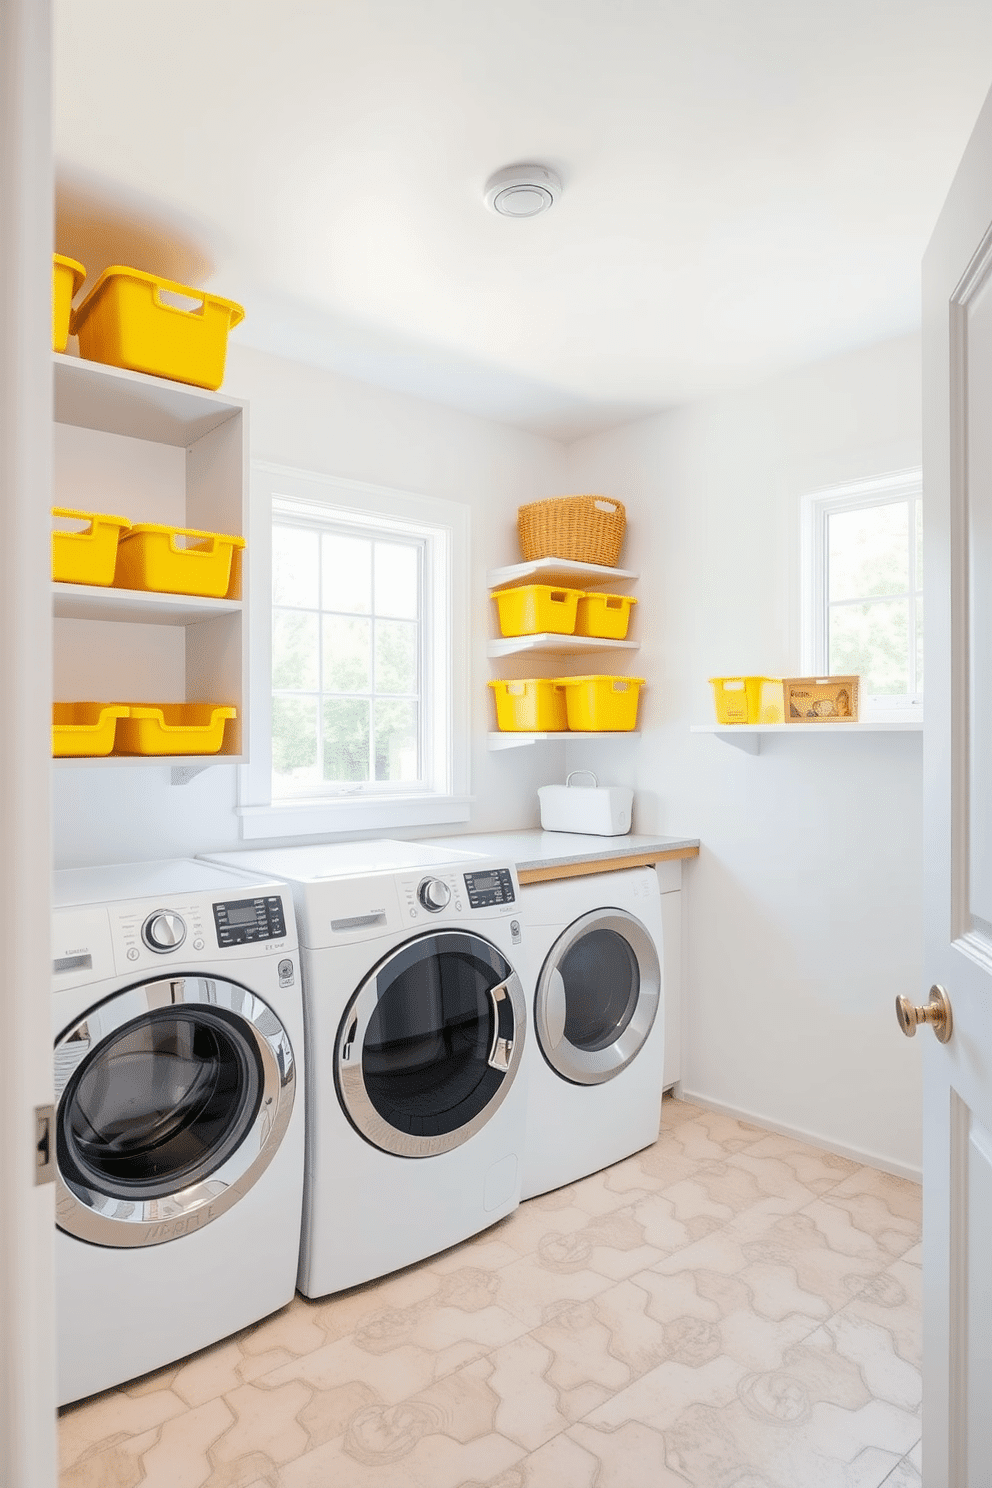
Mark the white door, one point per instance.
(957, 1165)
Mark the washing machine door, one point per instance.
(171, 1100)
(430, 1044)
(597, 996)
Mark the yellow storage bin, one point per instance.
(604, 615)
(173, 728)
(88, 556)
(85, 729)
(67, 277)
(534, 705)
(533, 609)
(125, 321)
(600, 704)
(748, 699)
(176, 560)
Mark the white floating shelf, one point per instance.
(116, 401)
(508, 740)
(747, 736)
(548, 642)
(194, 762)
(93, 602)
(557, 571)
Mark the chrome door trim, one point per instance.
(351, 1041)
(113, 1221)
(594, 1067)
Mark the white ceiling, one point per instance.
(748, 184)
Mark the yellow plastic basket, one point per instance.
(176, 560)
(748, 699)
(67, 277)
(535, 705)
(601, 704)
(173, 728)
(533, 609)
(85, 729)
(125, 321)
(88, 556)
(604, 615)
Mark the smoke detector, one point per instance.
(522, 190)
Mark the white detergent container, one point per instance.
(601, 810)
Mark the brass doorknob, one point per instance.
(937, 1013)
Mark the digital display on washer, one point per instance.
(494, 887)
(240, 921)
(240, 914)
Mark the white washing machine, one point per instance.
(416, 1024)
(179, 1117)
(596, 1063)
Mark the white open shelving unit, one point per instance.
(572, 574)
(153, 451)
(748, 736)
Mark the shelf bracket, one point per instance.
(183, 774)
(750, 743)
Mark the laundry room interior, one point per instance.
(578, 1149)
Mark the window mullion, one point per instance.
(373, 679)
(320, 656)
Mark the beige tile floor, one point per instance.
(728, 1309)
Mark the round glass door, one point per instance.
(172, 1099)
(430, 1044)
(597, 996)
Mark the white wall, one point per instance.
(316, 420)
(803, 909)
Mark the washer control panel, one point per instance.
(242, 921)
(494, 886)
(448, 895)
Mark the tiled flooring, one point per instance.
(728, 1309)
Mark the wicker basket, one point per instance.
(584, 529)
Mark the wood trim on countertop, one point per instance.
(602, 865)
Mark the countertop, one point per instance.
(546, 855)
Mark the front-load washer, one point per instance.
(415, 1020)
(179, 1116)
(596, 1063)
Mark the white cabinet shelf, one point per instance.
(498, 740)
(557, 571)
(152, 451)
(747, 736)
(548, 644)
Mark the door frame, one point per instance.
(28, 1450)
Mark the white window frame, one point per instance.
(817, 506)
(443, 796)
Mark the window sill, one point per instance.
(379, 814)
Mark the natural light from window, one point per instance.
(347, 659)
(875, 596)
(864, 587)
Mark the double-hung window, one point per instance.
(863, 589)
(359, 694)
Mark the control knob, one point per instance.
(163, 931)
(434, 894)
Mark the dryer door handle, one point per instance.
(501, 1050)
(555, 1008)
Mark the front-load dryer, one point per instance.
(179, 1116)
(416, 1023)
(596, 1063)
